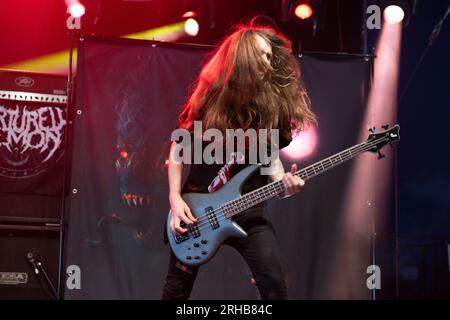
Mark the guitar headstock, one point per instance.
(380, 139)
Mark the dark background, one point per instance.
(423, 171)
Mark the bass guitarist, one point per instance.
(251, 81)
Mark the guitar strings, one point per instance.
(203, 220)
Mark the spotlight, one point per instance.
(199, 18)
(398, 11)
(303, 11)
(300, 10)
(302, 16)
(394, 14)
(76, 9)
(191, 27)
(191, 24)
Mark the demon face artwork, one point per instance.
(139, 171)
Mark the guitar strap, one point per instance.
(223, 176)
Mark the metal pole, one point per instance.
(61, 272)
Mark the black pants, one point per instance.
(260, 251)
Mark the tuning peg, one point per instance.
(380, 155)
(385, 127)
(372, 129)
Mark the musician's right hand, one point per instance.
(180, 212)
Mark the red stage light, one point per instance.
(303, 11)
(123, 154)
(189, 14)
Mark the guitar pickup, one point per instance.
(212, 218)
(193, 229)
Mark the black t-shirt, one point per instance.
(206, 178)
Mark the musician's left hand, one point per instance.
(292, 183)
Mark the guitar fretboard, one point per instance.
(275, 188)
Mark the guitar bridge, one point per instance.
(179, 238)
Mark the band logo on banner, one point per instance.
(30, 138)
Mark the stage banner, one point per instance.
(129, 94)
(32, 133)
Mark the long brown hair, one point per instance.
(231, 92)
